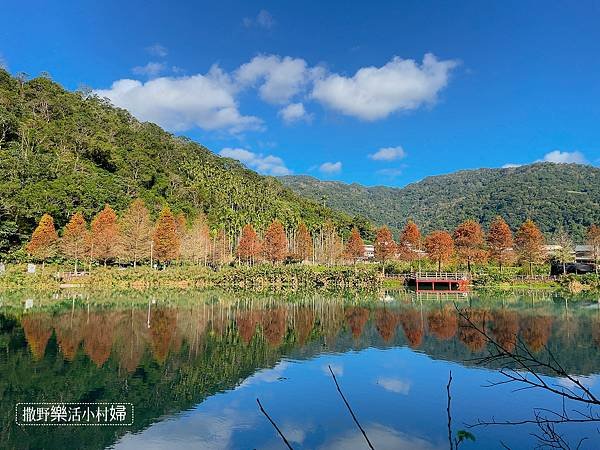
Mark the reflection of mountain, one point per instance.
(174, 358)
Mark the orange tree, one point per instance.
(104, 235)
(439, 247)
(355, 248)
(44, 239)
(410, 242)
(136, 232)
(304, 243)
(529, 244)
(385, 247)
(468, 240)
(75, 238)
(500, 241)
(275, 243)
(165, 239)
(249, 246)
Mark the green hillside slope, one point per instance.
(554, 195)
(62, 151)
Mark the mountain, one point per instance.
(64, 151)
(553, 195)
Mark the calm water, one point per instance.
(194, 364)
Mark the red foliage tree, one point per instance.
(443, 323)
(500, 241)
(75, 238)
(166, 237)
(249, 247)
(529, 244)
(355, 248)
(104, 235)
(439, 247)
(304, 243)
(410, 242)
(44, 240)
(275, 244)
(386, 322)
(246, 324)
(37, 330)
(413, 328)
(385, 247)
(468, 240)
(357, 318)
(274, 326)
(536, 331)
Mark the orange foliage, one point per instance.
(386, 322)
(385, 247)
(136, 232)
(69, 334)
(468, 239)
(273, 325)
(439, 247)
(275, 244)
(104, 235)
(505, 328)
(500, 241)
(529, 242)
(443, 323)
(472, 338)
(246, 323)
(44, 239)
(304, 243)
(166, 237)
(536, 331)
(38, 329)
(304, 321)
(162, 326)
(75, 238)
(98, 338)
(357, 317)
(249, 246)
(413, 327)
(410, 241)
(355, 248)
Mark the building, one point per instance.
(368, 251)
(584, 254)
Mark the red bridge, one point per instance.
(438, 281)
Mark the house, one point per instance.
(368, 251)
(584, 254)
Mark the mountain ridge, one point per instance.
(541, 191)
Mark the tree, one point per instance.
(500, 241)
(275, 242)
(410, 242)
(468, 239)
(104, 235)
(166, 237)
(249, 246)
(564, 252)
(333, 248)
(221, 253)
(75, 238)
(529, 244)
(385, 247)
(593, 240)
(355, 248)
(196, 242)
(304, 243)
(44, 239)
(439, 247)
(136, 232)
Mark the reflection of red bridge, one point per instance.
(438, 281)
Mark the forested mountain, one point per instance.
(64, 151)
(553, 195)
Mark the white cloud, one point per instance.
(338, 369)
(564, 157)
(381, 437)
(268, 165)
(395, 385)
(151, 69)
(279, 78)
(157, 50)
(294, 112)
(178, 104)
(511, 165)
(376, 92)
(264, 19)
(388, 154)
(331, 167)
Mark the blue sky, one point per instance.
(384, 93)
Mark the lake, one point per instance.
(194, 363)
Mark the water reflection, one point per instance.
(169, 359)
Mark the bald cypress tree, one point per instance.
(166, 239)
(75, 239)
(44, 240)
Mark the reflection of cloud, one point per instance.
(338, 369)
(266, 375)
(198, 430)
(381, 437)
(395, 385)
(585, 381)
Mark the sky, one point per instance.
(384, 92)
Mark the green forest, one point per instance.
(554, 196)
(62, 152)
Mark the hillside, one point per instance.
(64, 151)
(553, 195)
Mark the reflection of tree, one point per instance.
(246, 323)
(98, 337)
(386, 322)
(131, 337)
(536, 330)
(505, 326)
(413, 327)
(162, 326)
(38, 330)
(273, 325)
(69, 333)
(442, 323)
(473, 339)
(596, 331)
(356, 317)
(304, 321)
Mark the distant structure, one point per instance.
(368, 251)
(583, 254)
